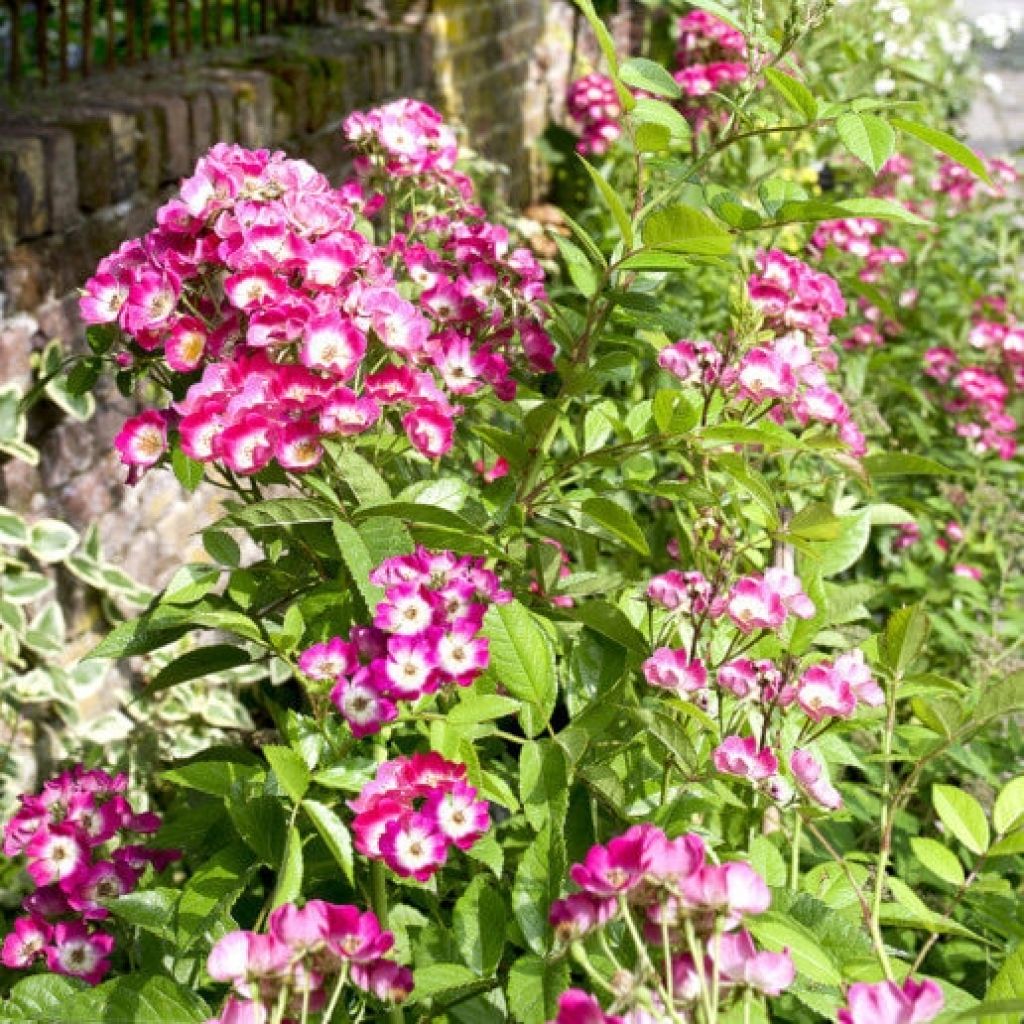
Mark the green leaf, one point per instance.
(613, 202)
(188, 472)
(534, 985)
(289, 875)
(900, 464)
(437, 981)
(40, 999)
(478, 925)
(139, 999)
(581, 270)
(881, 209)
(867, 137)
(215, 777)
(211, 892)
(609, 621)
(938, 859)
(1001, 698)
(51, 540)
(537, 884)
(277, 512)
(652, 261)
(963, 816)
(658, 125)
(334, 833)
(835, 555)
(206, 661)
(1009, 806)
(150, 909)
(905, 636)
(795, 93)
(682, 228)
(523, 661)
(777, 932)
(1013, 1009)
(368, 486)
(641, 73)
(474, 707)
(290, 770)
(617, 521)
(13, 529)
(101, 338)
(190, 583)
(945, 143)
(775, 193)
(222, 548)
(1008, 984)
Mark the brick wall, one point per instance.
(82, 170)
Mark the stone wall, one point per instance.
(84, 168)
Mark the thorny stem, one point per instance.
(869, 918)
(888, 806)
(953, 904)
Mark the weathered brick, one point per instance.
(253, 104)
(222, 101)
(175, 142)
(105, 153)
(200, 122)
(25, 177)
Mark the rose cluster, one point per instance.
(407, 139)
(711, 54)
(888, 1002)
(788, 374)
(79, 839)
(755, 605)
(305, 959)
(961, 186)
(593, 103)
(984, 385)
(261, 296)
(414, 811)
(690, 915)
(426, 634)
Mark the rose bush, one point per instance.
(633, 639)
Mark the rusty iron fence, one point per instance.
(48, 41)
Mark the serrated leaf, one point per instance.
(963, 816)
(334, 833)
(795, 93)
(289, 874)
(682, 228)
(870, 139)
(613, 202)
(206, 661)
(617, 521)
(945, 143)
(290, 770)
(534, 985)
(478, 925)
(1008, 811)
(938, 859)
(581, 270)
(523, 661)
(641, 73)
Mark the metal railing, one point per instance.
(47, 41)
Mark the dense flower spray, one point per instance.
(426, 634)
(414, 811)
(683, 911)
(262, 300)
(305, 961)
(756, 693)
(787, 375)
(79, 838)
